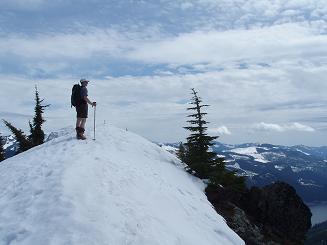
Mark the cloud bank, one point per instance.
(285, 127)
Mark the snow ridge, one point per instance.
(119, 189)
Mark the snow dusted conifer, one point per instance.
(37, 134)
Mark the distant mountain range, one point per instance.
(9, 145)
(303, 167)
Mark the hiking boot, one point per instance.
(77, 131)
(81, 137)
(80, 133)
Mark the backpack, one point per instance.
(76, 95)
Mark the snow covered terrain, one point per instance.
(9, 145)
(301, 166)
(251, 151)
(119, 189)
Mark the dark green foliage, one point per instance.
(37, 134)
(200, 160)
(198, 157)
(181, 153)
(2, 152)
(23, 141)
(227, 178)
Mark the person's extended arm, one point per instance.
(89, 101)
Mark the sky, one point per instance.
(260, 65)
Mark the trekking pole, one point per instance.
(94, 123)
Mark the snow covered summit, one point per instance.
(119, 189)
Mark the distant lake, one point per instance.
(319, 212)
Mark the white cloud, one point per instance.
(155, 106)
(272, 127)
(300, 127)
(62, 45)
(286, 42)
(22, 4)
(269, 127)
(270, 44)
(223, 130)
(246, 14)
(186, 5)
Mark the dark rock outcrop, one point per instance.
(278, 208)
(223, 200)
(274, 214)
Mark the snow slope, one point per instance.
(119, 189)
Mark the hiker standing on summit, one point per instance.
(82, 110)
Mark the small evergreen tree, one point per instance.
(198, 157)
(23, 141)
(37, 134)
(2, 152)
(201, 161)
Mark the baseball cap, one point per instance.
(84, 80)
